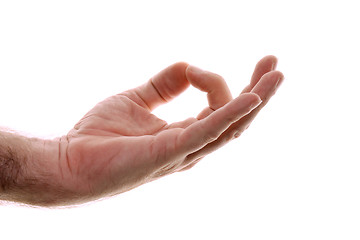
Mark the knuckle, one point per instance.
(237, 134)
(210, 137)
(226, 139)
(218, 78)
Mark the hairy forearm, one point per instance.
(10, 163)
(29, 171)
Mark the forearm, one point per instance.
(29, 170)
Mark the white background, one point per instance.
(293, 175)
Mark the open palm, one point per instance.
(119, 144)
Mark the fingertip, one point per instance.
(181, 65)
(191, 69)
(272, 57)
(256, 101)
(271, 60)
(281, 75)
(273, 76)
(251, 99)
(276, 76)
(179, 68)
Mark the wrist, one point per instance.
(30, 170)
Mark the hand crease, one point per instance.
(67, 154)
(142, 99)
(158, 92)
(59, 157)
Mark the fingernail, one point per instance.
(273, 66)
(195, 70)
(257, 103)
(237, 134)
(278, 83)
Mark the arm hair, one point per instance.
(10, 168)
(29, 172)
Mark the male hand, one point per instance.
(120, 144)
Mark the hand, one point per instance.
(119, 144)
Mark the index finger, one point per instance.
(218, 93)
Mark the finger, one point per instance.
(218, 93)
(187, 166)
(265, 89)
(207, 130)
(182, 124)
(265, 65)
(161, 88)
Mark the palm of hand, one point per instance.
(113, 144)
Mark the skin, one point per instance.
(119, 144)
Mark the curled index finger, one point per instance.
(218, 93)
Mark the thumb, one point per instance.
(161, 88)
